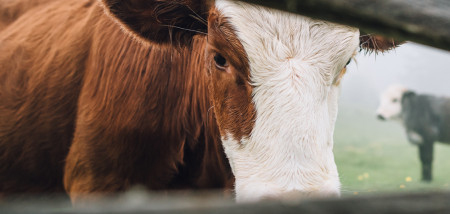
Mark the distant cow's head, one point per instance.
(274, 80)
(391, 103)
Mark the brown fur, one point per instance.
(38, 97)
(231, 87)
(161, 21)
(130, 113)
(12, 9)
(376, 43)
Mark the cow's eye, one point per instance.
(394, 100)
(221, 62)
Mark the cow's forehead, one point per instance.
(394, 91)
(281, 36)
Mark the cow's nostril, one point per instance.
(380, 117)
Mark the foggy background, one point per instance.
(375, 156)
(423, 69)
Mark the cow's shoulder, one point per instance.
(11, 10)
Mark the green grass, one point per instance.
(375, 157)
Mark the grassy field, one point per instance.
(374, 156)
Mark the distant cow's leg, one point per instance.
(414, 138)
(426, 157)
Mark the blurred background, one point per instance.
(374, 156)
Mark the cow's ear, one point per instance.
(161, 21)
(375, 43)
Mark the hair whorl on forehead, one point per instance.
(376, 43)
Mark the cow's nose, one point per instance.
(380, 117)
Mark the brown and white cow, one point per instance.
(98, 96)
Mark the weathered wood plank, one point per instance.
(418, 203)
(422, 21)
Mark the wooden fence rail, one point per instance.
(422, 21)
(200, 203)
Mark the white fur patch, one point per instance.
(391, 102)
(414, 138)
(293, 63)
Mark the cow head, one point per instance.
(274, 82)
(391, 103)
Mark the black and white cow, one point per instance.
(426, 119)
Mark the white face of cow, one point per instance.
(295, 64)
(391, 102)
